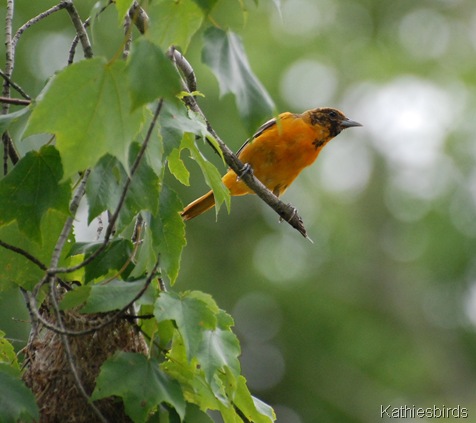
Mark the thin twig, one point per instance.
(37, 317)
(86, 24)
(115, 215)
(80, 30)
(128, 37)
(23, 253)
(33, 321)
(74, 44)
(68, 225)
(35, 20)
(285, 211)
(15, 101)
(185, 68)
(9, 51)
(8, 147)
(162, 286)
(139, 17)
(10, 151)
(15, 86)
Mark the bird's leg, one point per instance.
(244, 170)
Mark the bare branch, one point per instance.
(128, 37)
(80, 29)
(86, 24)
(35, 20)
(74, 44)
(15, 101)
(285, 211)
(8, 147)
(9, 51)
(139, 17)
(37, 317)
(15, 86)
(9, 151)
(184, 67)
(23, 253)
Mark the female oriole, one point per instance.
(278, 152)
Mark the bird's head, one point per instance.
(331, 119)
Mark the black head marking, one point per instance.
(332, 119)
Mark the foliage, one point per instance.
(381, 308)
(112, 125)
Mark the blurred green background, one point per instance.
(381, 309)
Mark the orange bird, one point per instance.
(278, 152)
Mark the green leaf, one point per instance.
(168, 232)
(31, 189)
(197, 390)
(277, 4)
(143, 390)
(154, 152)
(123, 7)
(19, 270)
(175, 120)
(191, 314)
(264, 409)
(144, 190)
(206, 5)
(7, 352)
(108, 297)
(17, 402)
(174, 23)
(75, 298)
(178, 129)
(88, 108)
(112, 259)
(224, 53)
(255, 410)
(104, 186)
(210, 173)
(192, 379)
(106, 183)
(219, 348)
(177, 167)
(146, 256)
(7, 120)
(195, 415)
(151, 74)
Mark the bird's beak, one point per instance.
(349, 123)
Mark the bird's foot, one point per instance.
(245, 170)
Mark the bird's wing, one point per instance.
(260, 130)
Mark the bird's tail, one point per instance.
(199, 206)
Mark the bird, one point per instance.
(277, 153)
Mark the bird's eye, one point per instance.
(333, 114)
